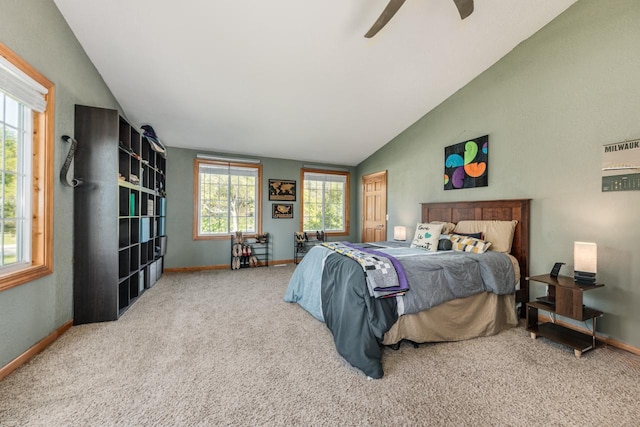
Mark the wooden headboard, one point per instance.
(501, 210)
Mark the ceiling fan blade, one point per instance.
(386, 15)
(465, 7)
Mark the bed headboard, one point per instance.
(501, 210)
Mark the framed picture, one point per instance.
(466, 164)
(282, 190)
(282, 210)
(621, 166)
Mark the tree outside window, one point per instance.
(325, 201)
(26, 157)
(228, 198)
(8, 199)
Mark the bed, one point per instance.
(334, 288)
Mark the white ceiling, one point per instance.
(292, 79)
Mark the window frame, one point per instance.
(42, 183)
(347, 199)
(196, 198)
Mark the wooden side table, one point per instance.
(564, 298)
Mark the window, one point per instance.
(15, 176)
(228, 199)
(26, 180)
(325, 201)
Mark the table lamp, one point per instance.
(585, 261)
(399, 232)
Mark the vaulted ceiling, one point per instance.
(292, 79)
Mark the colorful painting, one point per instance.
(466, 164)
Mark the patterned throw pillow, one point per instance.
(477, 235)
(427, 236)
(469, 244)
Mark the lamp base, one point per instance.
(584, 277)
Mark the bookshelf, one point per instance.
(119, 215)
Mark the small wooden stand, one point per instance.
(564, 298)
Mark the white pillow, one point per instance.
(427, 236)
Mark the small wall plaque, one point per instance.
(621, 166)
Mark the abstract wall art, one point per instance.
(466, 164)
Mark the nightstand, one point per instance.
(564, 298)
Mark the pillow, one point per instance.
(444, 244)
(469, 244)
(427, 236)
(477, 235)
(499, 233)
(447, 227)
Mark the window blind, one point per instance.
(220, 169)
(327, 177)
(20, 86)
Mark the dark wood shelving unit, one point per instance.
(119, 215)
(564, 298)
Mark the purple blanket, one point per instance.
(385, 275)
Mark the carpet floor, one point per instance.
(223, 348)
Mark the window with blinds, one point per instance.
(325, 201)
(26, 179)
(228, 198)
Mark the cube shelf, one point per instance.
(124, 182)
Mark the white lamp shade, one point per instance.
(585, 257)
(400, 232)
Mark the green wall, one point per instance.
(183, 251)
(36, 31)
(548, 107)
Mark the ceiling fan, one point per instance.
(465, 8)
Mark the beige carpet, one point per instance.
(222, 348)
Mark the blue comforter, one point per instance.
(333, 289)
